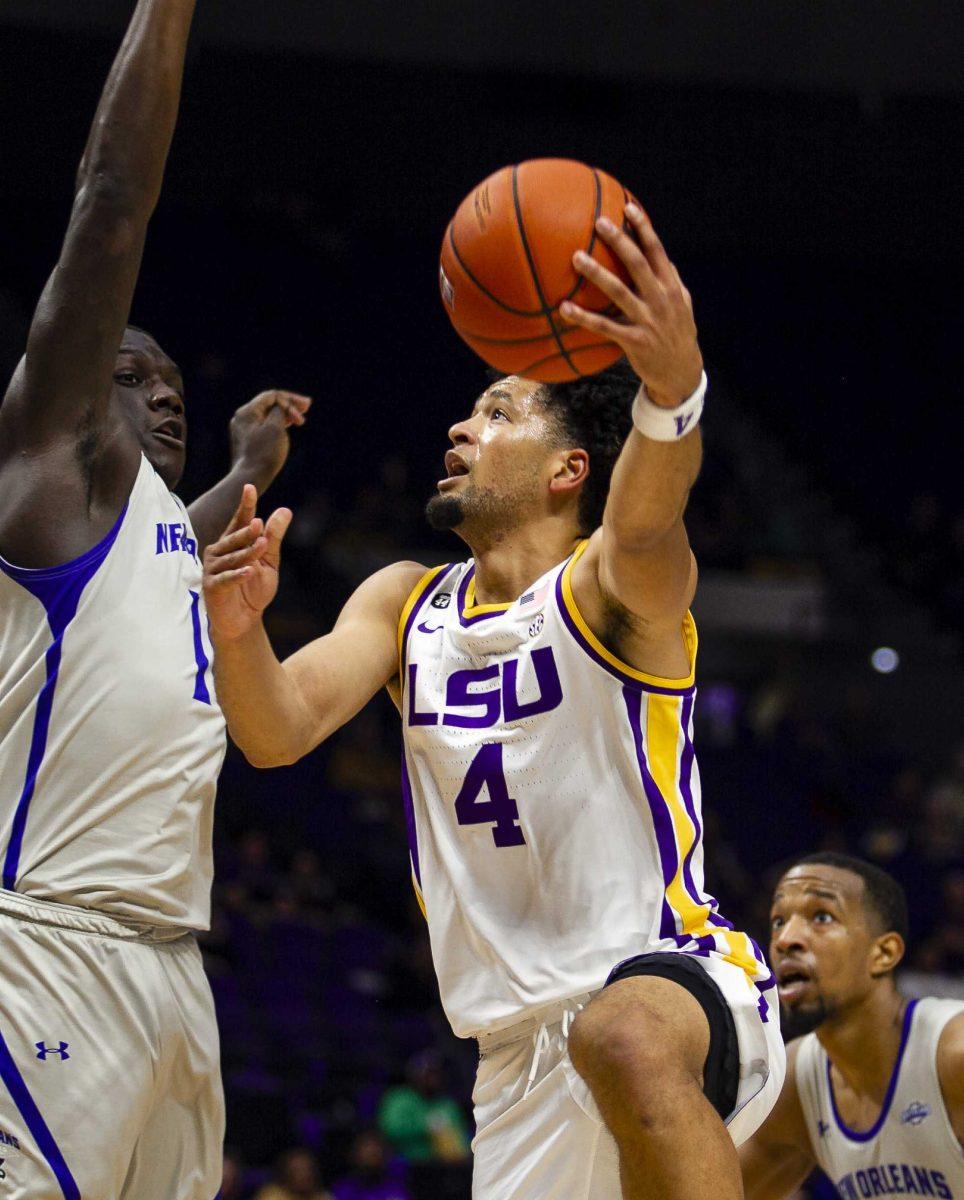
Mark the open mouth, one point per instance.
(171, 433)
(793, 980)
(455, 469)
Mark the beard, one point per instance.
(796, 1022)
(487, 515)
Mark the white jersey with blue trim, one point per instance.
(111, 737)
(553, 803)
(911, 1149)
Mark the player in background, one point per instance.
(874, 1093)
(111, 737)
(546, 690)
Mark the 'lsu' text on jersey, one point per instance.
(111, 738)
(553, 802)
(911, 1149)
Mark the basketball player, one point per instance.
(875, 1096)
(546, 692)
(111, 737)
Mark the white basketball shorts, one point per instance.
(110, 1082)
(540, 1135)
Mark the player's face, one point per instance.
(821, 944)
(150, 390)
(497, 472)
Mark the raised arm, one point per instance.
(778, 1158)
(278, 712)
(259, 449)
(62, 386)
(641, 555)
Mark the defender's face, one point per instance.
(820, 942)
(150, 391)
(500, 454)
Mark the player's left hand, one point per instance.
(656, 330)
(259, 434)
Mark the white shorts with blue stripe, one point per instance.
(110, 1082)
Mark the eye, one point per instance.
(499, 412)
(128, 379)
(822, 917)
(776, 923)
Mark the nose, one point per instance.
(791, 936)
(462, 433)
(164, 396)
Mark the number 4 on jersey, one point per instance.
(485, 774)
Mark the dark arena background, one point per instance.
(802, 162)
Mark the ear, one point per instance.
(570, 469)
(885, 954)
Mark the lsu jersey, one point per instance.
(911, 1149)
(111, 738)
(552, 799)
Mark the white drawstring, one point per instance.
(541, 1041)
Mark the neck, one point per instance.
(863, 1041)
(506, 566)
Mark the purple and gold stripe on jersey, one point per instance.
(469, 612)
(662, 732)
(412, 606)
(600, 654)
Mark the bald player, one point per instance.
(874, 1093)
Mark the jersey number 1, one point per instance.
(500, 810)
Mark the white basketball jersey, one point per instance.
(111, 738)
(911, 1149)
(553, 802)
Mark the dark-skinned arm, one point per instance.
(259, 448)
(61, 388)
(950, 1072)
(778, 1157)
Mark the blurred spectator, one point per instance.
(370, 1177)
(420, 1121)
(232, 1178)
(297, 1178)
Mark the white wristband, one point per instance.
(668, 424)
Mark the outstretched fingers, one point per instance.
(274, 534)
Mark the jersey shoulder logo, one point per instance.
(915, 1113)
(442, 600)
(822, 1127)
(536, 627)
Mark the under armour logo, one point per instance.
(822, 1127)
(682, 422)
(43, 1050)
(914, 1113)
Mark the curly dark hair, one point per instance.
(595, 414)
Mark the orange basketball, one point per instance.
(506, 266)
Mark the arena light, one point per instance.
(885, 660)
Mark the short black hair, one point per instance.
(883, 895)
(595, 414)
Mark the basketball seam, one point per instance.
(517, 312)
(609, 311)
(608, 343)
(546, 311)
(593, 235)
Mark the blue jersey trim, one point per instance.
(44, 1139)
(869, 1134)
(59, 590)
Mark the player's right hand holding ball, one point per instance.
(241, 568)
